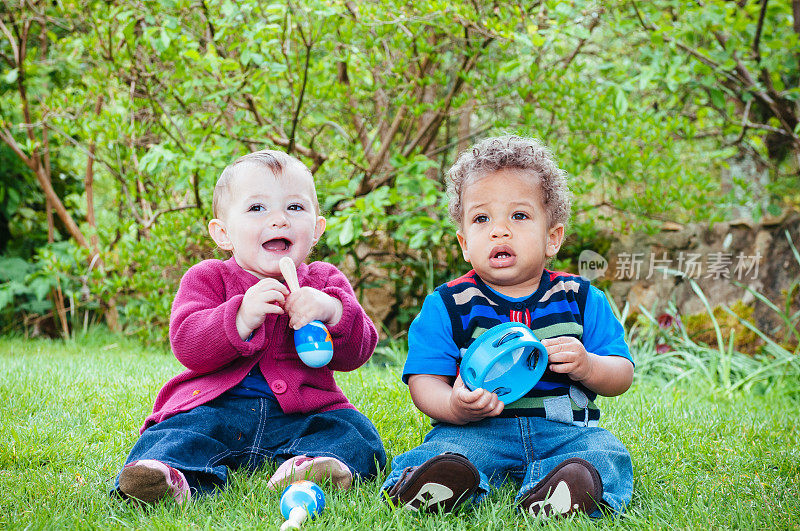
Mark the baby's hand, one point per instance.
(469, 406)
(308, 304)
(266, 296)
(567, 355)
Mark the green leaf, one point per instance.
(417, 240)
(165, 39)
(11, 76)
(562, 8)
(14, 269)
(13, 202)
(537, 40)
(347, 233)
(717, 98)
(191, 55)
(582, 32)
(644, 78)
(41, 286)
(6, 295)
(620, 101)
(39, 307)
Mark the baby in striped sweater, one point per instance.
(511, 203)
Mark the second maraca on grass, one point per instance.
(312, 341)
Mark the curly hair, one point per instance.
(511, 152)
(275, 161)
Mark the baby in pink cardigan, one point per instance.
(245, 397)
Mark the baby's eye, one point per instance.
(296, 206)
(519, 215)
(256, 208)
(480, 218)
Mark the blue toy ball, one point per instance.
(300, 500)
(314, 345)
(507, 359)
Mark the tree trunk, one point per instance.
(465, 126)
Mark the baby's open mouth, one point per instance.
(277, 244)
(502, 256)
(502, 251)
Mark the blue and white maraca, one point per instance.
(314, 345)
(300, 500)
(312, 341)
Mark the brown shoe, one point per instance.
(148, 480)
(572, 486)
(443, 482)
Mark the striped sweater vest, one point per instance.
(555, 309)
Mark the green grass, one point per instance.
(71, 412)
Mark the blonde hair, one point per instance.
(275, 161)
(511, 152)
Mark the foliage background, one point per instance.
(117, 117)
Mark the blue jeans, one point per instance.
(525, 450)
(233, 432)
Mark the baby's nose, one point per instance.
(278, 219)
(499, 230)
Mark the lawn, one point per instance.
(71, 412)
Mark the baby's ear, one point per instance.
(319, 228)
(218, 232)
(555, 237)
(462, 241)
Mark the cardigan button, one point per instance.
(278, 386)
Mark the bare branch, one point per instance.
(624, 210)
(386, 141)
(743, 77)
(8, 138)
(299, 106)
(59, 207)
(429, 129)
(316, 156)
(89, 184)
(745, 122)
(691, 51)
(251, 105)
(209, 25)
(592, 25)
(460, 140)
(158, 213)
(358, 123)
(772, 129)
(12, 41)
(21, 77)
(757, 38)
(766, 98)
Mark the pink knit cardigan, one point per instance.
(203, 335)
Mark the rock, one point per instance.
(722, 259)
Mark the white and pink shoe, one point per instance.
(148, 480)
(312, 469)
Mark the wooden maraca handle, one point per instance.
(289, 273)
(296, 518)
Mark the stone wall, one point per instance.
(716, 256)
(756, 255)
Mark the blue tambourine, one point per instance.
(507, 360)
